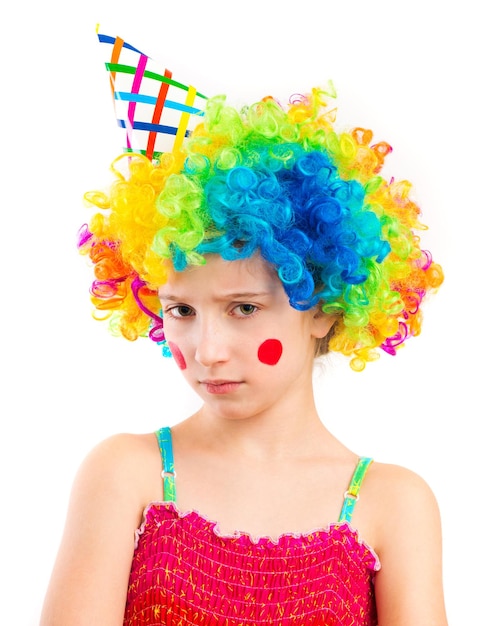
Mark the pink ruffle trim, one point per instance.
(285, 540)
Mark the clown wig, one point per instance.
(282, 182)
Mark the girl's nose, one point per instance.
(212, 343)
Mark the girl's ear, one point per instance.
(322, 323)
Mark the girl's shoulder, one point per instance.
(120, 450)
(407, 538)
(128, 445)
(125, 463)
(110, 490)
(395, 483)
(401, 503)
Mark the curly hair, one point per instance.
(281, 181)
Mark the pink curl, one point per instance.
(390, 344)
(297, 98)
(84, 235)
(156, 333)
(426, 260)
(106, 288)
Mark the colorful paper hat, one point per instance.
(156, 111)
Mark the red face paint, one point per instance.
(270, 351)
(177, 355)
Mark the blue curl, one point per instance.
(293, 207)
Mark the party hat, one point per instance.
(156, 111)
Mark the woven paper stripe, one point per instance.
(159, 105)
(156, 111)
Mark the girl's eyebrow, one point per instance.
(245, 295)
(240, 295)
(167, 296)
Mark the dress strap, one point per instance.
(352, 494)
(168, 473)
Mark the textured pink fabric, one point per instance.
(185, 572)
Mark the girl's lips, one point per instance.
(219, 387)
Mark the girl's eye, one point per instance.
(246, 309)
(182, 310)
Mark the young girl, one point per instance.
(264, 241)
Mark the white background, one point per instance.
(406, 69)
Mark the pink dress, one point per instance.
(185, 572)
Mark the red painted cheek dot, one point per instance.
(270, 351)
(177, 355)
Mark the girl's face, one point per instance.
(234, 335)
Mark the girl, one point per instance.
(266, 240)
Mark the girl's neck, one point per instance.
(266, 436)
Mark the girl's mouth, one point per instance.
(220, 387)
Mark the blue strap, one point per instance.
(352, 494)
(168, 473)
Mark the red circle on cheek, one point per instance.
(270, 351)
(177, 355)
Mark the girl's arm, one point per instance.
(409, 586)
(90, 577)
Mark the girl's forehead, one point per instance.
(248, 275)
